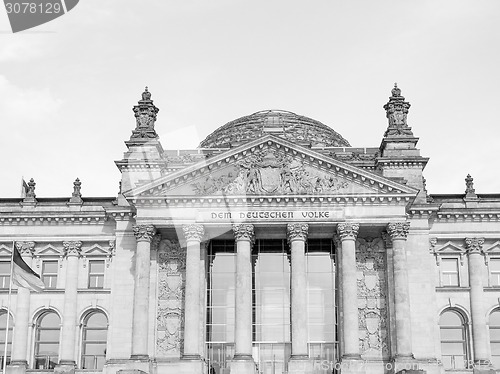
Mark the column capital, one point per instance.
(193, 231)
(244, 232)
(144, 233)
(72, 248)
(474, 245)
(297, 231)
(347, 231)
(25, 248)
(398, 230)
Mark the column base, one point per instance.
(16, 367)
(65, 367)
(242, 364)
(139, 357)
(352, 364)
(19, 363)
(406, 364)
(300, 364)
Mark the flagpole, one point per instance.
(8, 311)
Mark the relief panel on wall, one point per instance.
(372, 291)
(171, 285)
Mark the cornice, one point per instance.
(52, 218)
(282, 200)
(420, 211)
(468, 216)
(404, 163)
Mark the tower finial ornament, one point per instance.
(396, 111)
(146, 95)
(145, 116)
(470, 192)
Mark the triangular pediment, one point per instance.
(48, 250)
(449, 248)
(270, 166)
(493, 248)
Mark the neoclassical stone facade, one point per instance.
(274, 247)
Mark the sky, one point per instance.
(67, 87)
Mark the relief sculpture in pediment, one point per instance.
(270, 171)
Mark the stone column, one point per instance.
(347, 233)
(20, 346)
(398, 232)
(193, 234)
(140, 323)
(297, 236)
(243, 361)
(476, 270)
(72, 250)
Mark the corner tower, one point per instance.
(144, 160)
(399, 156)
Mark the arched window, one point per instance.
(495, 338)
(94, 337)
(3, 326)
(47, 339)
(452, 326)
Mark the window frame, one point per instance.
(5, 277)
(491, 273)
(496, 341)
(443, 273)
(37, 341)
(84, 341)
(465, 341)
(9, 335)
(97, 275)
(50, 276)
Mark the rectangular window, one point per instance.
(96, 274)
(49, 273)
(4, 274)
(449, 272)
(495, 272)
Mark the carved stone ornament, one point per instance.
(398, 230)
(347, 231)
(387, 239)
(76, 196)
(144, 233)
(25, 248)
(474, 245)
(193, 232)
(372, 297)
(145, 115)
(244, 232)
(297, 231)
(29, 189)
(72, 248)
(172, 256)
(271, 171)
(396, 112)
(470, 192)
(171, 288)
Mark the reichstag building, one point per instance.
(274, 247)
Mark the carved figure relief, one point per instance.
(270, 171)
(372, 292)
(171, 283)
